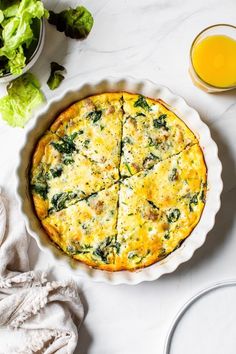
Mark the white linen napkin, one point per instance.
(47, 314)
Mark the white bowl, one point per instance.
(43, 120)
(32, 60)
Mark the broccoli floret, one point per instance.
(75, 23)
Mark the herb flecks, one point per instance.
(153, 142)
(133, 255)
(140, 114)
(202, 196)
(167, 235)
(162, 253)
(76, 248)
(152, 204)
(128, 168)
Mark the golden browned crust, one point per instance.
(65, 116)
(40, 206)
(40, 149)
(79, 108)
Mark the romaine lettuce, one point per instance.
(24, 95)
(16, 31)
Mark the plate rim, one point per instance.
(215, 286)
(41, 121)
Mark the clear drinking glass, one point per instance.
(215, 30)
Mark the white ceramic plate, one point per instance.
(38, 126)
(206, 323)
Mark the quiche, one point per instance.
(118, 181)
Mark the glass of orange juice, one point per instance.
(213, 58)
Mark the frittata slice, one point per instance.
(159, 208)
(60, 176)
(87, 230)
(151, 133)
(95, 123)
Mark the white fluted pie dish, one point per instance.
(191, 118)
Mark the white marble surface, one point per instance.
(149, 39)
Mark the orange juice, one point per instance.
(214, 60)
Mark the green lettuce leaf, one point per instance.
(9, 8)
(18, 62)
(16, 31)
(56, 76)
(24, 95)
(1, 16)
(75, 23)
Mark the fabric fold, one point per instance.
(48, 314)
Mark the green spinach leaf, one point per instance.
(140, 114)
(95, 116)
(109, 246)
(173, 175)
(152, 204)
(57, 171)
(67, 159)
(66, 144)
(77, 248)
(149, 160)
(62, 200)
(160, 122)
(193, 201)
(141, 102)
(173, 215)
(39, 182)
(42, 190)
